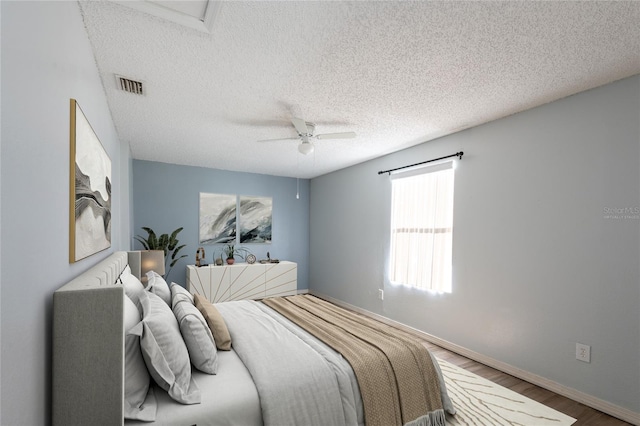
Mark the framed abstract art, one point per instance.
(217, 218)
(90, 189)
(255, 219)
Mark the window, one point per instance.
(422, 228)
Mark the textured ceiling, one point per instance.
(396, 73)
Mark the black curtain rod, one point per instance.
(457, 154)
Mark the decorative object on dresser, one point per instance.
(200, 256)
(89, 188)
(243, 281)
(269, 260)
(167, 243)
(232, 251)
(251, 259)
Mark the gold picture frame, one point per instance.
(89, 189)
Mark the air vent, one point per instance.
(129, 85)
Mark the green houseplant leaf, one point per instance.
(177, 250)
(167, 243)
(173, 240)
(231, 251)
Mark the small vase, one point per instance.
(230, 261)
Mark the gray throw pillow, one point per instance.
(133, 288)
(197, 336)
(158, 286)
(179, 293)
(164, 351)
(139, 400)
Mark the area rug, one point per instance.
(479, 401)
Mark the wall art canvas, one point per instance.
(217, 218)
(90, 190)
(255, 219)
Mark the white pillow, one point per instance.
(158, 286)
(179, 293)
(164, 351)
(197, 336)
(139, 400)
(132, 287)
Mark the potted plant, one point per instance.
(232, 251)
(165, 242)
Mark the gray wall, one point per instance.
(167, 196)
(537, 264)
(46, 59)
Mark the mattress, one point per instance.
(229, 398)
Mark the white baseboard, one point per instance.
(576, 395)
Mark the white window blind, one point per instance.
(422, 228)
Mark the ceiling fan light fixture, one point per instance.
(305, 148)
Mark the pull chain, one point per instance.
(297, 176)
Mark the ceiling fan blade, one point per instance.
(300, 125)
(279, 139)
(345, 135)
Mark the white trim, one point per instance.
(205, 24)
(210, 15)
(576, 395)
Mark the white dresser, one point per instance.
(243, 281)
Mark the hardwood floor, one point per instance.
(585, 416)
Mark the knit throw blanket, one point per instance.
(398, 382)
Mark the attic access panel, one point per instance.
(196, 14)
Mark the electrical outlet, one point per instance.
(381, 294)
(583, 352)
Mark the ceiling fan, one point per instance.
(306, 132)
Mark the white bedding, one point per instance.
(229, 398)
(279, 353)
(300, 380)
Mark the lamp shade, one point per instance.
(151, 260)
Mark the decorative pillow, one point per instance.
(139, 400)
(215, 321)
(179, 293)
(197, 336)
(164, 351)
(132, 287)
(158, 286)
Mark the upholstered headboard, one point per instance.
(88, 346)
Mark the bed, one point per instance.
(275, 372)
